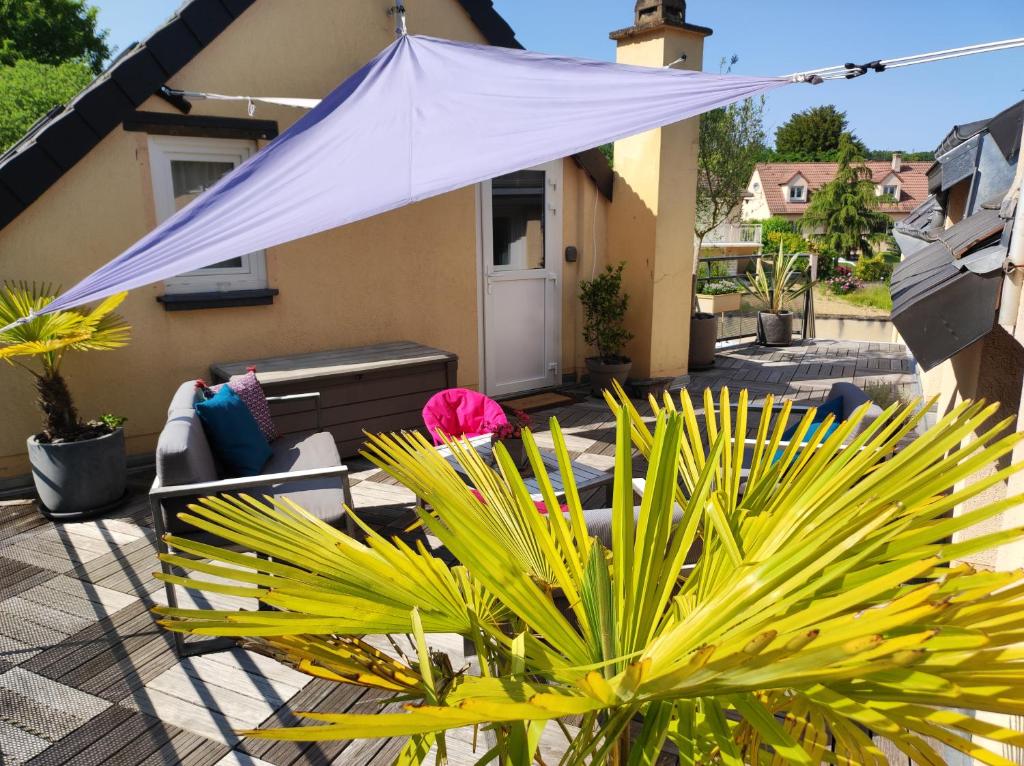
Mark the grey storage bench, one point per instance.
(379, 388)
(304, 467)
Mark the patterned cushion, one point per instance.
(250, 391)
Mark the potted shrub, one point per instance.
(775, 287)
(510, 434)
(719, 297)
(604, 312)
(79, 468)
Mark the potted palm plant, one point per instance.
(604, 313)
(825, 601)
(79, 468)
(775, 288)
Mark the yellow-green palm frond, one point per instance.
(49, 335)
(827, 601)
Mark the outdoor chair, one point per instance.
(305, 468)
(842, 401)
(459, 412)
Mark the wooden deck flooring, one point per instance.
(86, 677)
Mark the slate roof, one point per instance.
(67, 133)
(774, 175)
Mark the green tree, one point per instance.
(731, 142)
(813, 136)
(842, 216)
(51, 32)
(776, 230)
(29, 89)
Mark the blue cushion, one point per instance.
(234, 435)
(830, 407)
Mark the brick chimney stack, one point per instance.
(897, 162)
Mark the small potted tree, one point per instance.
(79, 468)
(604, 312)
(775, 287)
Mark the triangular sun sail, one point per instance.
(425, 117)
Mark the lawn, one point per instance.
(873, 295)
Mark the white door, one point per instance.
(521, 232)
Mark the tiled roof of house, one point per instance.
(68, 132)
(775, 175)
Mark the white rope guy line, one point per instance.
(846, 71)
(849, 71)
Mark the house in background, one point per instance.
(489, 273)
(783, 189)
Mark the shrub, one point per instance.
(843, 283)
(719, 287)
(873, 269)
(604, 313)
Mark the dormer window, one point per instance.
(797, 193)
(891, 190)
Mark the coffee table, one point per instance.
(588, 479)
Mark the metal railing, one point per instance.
(734, 234)
(734, 325)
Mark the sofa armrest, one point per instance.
(158, 492)
(314, 395)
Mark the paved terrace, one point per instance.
(86, 677)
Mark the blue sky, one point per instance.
(910, 108)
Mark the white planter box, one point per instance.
(719, 304)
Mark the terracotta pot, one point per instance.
(602, 374)
(703, 336)
(775, 329)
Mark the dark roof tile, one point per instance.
(29, 172)
(236, 7)
(139, 75)
(103, 105)
(173, 45)
(206, 19)
(10, 206)
(68, 138)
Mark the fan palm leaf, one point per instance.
(827, 605)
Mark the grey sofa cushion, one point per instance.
(183, 454)
(322, 498)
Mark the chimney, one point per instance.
(651, 15)
(651, 219)
(658, 12)
(897, 162)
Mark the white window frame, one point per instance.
(801, 194)
(895, 190)
(252, 274)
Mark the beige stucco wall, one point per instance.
(585, 227)
(652, 220)
(410, 274)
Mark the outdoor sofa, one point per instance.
(304, 467)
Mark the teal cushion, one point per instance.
(830, 407)
(233, 433)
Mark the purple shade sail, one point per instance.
(425, 117)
